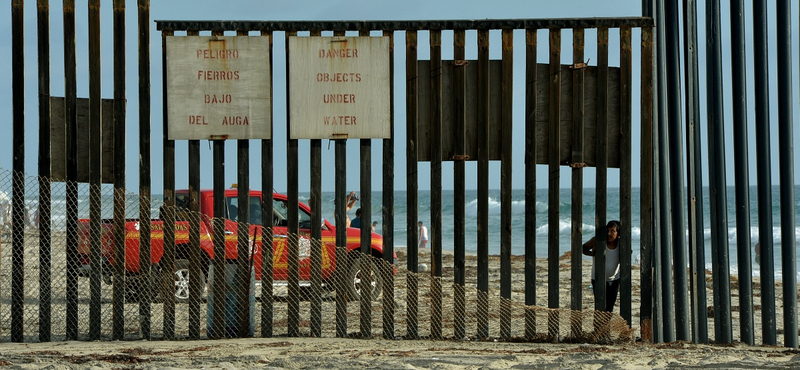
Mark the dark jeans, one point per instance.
(612, 288)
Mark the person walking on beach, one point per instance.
(612, 278)
(423, 235)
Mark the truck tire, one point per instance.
(135, 291)
(179, 279)
(357, 279)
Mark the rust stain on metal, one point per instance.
(580, 65)
(578, 165)
(338, 136)
(459, 157)
(460, 63)
(218, 137)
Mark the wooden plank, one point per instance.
(601, 185)
(293, 247)
(118, 314)
(483, 117)
(44, 214)
(554, 181)
(145, 181)
(168, 259)
(195, 269)
(365, 312)
(507, 134)
(436, 183)
(388, 206)
(448, 105)
(267, 300)
(457, 127)
(95, 160)
(315, 202)
(18, 165)
(590, 117)
(625, 191)
(243, 232)
(531, 92)
(218, 236)
(58, 140)
(576, 296)
(413, 112)
(71, 152)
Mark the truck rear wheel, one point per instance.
(362, 279)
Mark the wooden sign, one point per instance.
(218, 87)
(339, 87)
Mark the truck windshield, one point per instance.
(232, 207)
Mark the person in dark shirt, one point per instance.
(356, 221)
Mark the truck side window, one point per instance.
(280, 209)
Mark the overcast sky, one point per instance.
(355, 10)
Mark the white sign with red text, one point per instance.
(218, 87)
(339, 87)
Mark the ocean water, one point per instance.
(518, 218)
(565, 222)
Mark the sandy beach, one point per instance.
(316, 353)
(310, 353)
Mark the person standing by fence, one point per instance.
(612, 278)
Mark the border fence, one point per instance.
(301, 277)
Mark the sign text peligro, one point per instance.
(218, 87)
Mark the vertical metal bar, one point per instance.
(786, 158)
(45, 297)
(506, 131)
(267, 300)
(367, 263)
(576, 296)
(71, 149)
(95, 165)
(694, 166)
(218, 236)
(601, 185)
(293, 248)
(741, 172)
(243, 231)
(195, 260)
(646, 188)
(388, 205)
(18, 177)
(483, 183)
(436, 183)
(530, 180)
(119, 169)
(144, 164)
(717, 186)
(554, 181)
(764, 172)
(626, 95)
(665, 309)
(459, 179)
(315, 201)
(676, 171)
(168, 216)
(342, 259)
(412, 119)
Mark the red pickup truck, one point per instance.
(280, 207)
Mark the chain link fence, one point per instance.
(314, 289)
